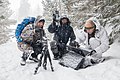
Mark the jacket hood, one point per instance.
(96, 22)
(68, 21)
(39, 19)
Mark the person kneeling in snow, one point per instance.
(95, 38)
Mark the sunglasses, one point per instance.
(87, 28)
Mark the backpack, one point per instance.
(24, 30)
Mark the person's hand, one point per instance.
(20, 43)
(97, 55)
(62, 45)
(74, 44)
(92, 53)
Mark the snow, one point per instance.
(10, 68)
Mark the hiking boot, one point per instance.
(23, 62)
(24, 58)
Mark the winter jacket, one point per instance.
(39, 34)
(62, 34)
(100, 34)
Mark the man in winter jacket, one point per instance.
(38, 35)
(28, 39)
(95, 38)
(62, 34)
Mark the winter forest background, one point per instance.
(107, 11)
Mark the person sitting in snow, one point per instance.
(95, 38)
(62, 34)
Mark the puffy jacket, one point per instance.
(100, 34)
(62, 34)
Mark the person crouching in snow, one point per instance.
(38, 35)
(26, 38)
(95, 38)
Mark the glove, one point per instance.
(54, 17)
(92, 52)
(62, 45)
(74, 44)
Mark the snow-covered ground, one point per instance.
(10, 68)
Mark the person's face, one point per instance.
(40, 24)
(89, 27)
(64, 21)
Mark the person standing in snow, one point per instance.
(95, 38)
(62, 34)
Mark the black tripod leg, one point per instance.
(48, 55)
(45, 61)
(39, 64)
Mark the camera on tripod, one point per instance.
(38, 36)
(38, 30)
(41, 42)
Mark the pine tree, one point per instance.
(5, 13)
(78, 11)
(107, 11)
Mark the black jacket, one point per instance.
(39, 34)
(62, 33)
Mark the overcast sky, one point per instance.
(15, 4)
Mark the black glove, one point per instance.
(74, 44)
(62, 45)
(92, 52)
(54, 17)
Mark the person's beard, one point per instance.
(64, 24)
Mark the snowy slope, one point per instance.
(10, 68)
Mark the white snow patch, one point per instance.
(10, 68)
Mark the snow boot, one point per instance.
(24, 58)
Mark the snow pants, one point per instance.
(94, 43)
(57, 49)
